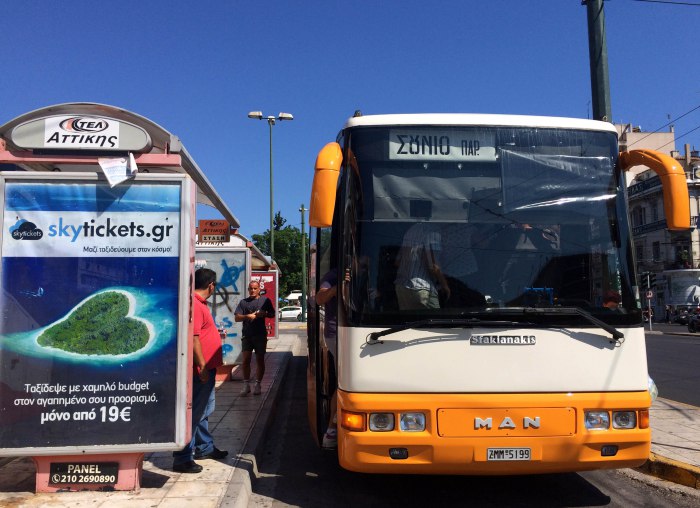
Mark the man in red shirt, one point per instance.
(207, 356)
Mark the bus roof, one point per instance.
(470, 119)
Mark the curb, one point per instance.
(682, 334)
(671, 470)
(245, 466)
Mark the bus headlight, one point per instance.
(597, 420)
(624, 419)
(412, 422)
(381, 422)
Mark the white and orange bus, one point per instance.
(488, 313)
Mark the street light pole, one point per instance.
(271, 122)
(257, 115)
(303, 264)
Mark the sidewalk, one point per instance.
(239, 425)
(675, 432)
(675, 443)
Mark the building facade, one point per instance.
(671, 257)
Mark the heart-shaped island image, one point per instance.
(101, 325)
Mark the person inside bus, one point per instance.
(612, 300)
(327, 296)
(419, 279)
(458, 264)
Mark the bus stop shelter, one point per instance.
(98, 209)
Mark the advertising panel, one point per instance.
(268, 287)
(94, 306)
(231, 267)
(683, 287)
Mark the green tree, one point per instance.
(262, 241)
(287, 253)
(278, 222)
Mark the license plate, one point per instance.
(508, 454)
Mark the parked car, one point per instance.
(682, 318)
(694, 323)
(292, 312)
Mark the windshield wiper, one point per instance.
(439, 323)
(617, 335)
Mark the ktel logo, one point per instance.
(84, 124)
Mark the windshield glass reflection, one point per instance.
(540, 223)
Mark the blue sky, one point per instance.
(197, 68)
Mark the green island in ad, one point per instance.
(100, 326)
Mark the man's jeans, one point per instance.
(203, 403)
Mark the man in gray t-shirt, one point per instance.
(252, 312)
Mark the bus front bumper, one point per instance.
(493, 434)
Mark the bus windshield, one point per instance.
(440, 222)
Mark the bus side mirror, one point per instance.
(673, 181)
(326, 173)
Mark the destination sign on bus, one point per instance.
(447, 145)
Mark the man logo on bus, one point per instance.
(506, 423)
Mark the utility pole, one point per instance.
(648, 295)
(598, 57)
(303, 264)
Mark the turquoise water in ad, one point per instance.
(156, 309)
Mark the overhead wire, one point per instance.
(686, 4)
(679, 137)
(670, 2)
(669, 123)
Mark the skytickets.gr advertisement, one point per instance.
(89, 330)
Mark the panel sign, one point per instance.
(94, 473)
(90, 328)
(81, 132)
(448, 145)
(231, 286)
